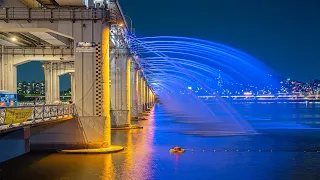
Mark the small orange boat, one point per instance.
(177, 149)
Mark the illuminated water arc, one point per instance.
(196, 56)
(246, 56)
(207, 112)
(164, 77)
(191, 66)
(187, 62)
(235, 53)
(228, 62)
(178, 72)
(203, 42)
(190, 48)
(164, 56)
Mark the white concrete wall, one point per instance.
(1, 74)
(140, 100)
(52, 73)
(73, 86)
(10, 75)
(118, 93)
(133, 90)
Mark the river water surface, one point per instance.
(286, 148)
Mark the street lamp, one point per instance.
(130, 22)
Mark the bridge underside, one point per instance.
(108, 88)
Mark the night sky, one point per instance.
(284, 34)
(37, 74)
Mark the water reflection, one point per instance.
(146, 155)
(108, 170)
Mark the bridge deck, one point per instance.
(41, 115)
(13, 127)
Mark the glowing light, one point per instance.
(247, 93)
(13, 39)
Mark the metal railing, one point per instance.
(42, 112)
(59, 14)
(72, 14)
(35, 51)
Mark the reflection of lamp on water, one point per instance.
(108, 171)
(247, 93)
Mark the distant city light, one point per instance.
(190, 88)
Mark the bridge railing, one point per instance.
(31, 103)
(22, 13)
(41, 112)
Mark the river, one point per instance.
(285, 148)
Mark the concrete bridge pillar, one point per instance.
(144, 95)
(120, 89)
(1, 70)
(8, 74)
(134, 90)
(140, 82)
(52, 72)
(128, 90)
(148, 97)
(73, 87)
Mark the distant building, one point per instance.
(32, 88)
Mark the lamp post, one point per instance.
(130, 22)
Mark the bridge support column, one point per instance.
(144, 96)
(147, 93)
(148, 97)
(26, 137)
(152, 98)
(73, 87)
(105, 49)
(52, 72)
(140, 94)
(1, 73)
(134, 91)
(52, 83)
(120, 89)
(9, 74)
(128, 90)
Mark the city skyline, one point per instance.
(37, 74)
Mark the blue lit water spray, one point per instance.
(174, 66)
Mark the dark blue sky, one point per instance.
(284, 34)
(34, 71)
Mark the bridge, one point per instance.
(88, 41)
(267, 97)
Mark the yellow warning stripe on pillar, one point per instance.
(98, 81)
